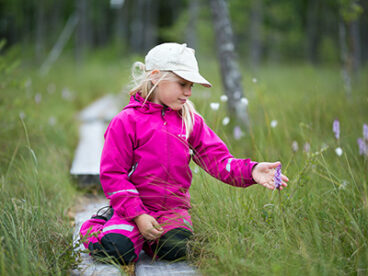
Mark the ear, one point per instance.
(154, 75)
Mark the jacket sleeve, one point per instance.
(211, 154)
(116, 162)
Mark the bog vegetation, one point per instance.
(317, 225)
(304, 67)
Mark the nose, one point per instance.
(188, 91)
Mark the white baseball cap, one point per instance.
(177, 58)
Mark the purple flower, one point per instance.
(278, 177)
(362, 146)
(365, 132)
(336, 128)
(238, 133)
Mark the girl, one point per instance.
(145, 169)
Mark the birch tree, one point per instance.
(230, 73)
(349, 32)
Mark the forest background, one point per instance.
(303, 65)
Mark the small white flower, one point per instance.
(306, 147)
(52, 121)
(215, 106)
(244, 101)
(338, 151)
(38, 98)
(22, 115)
(238, 133)
(223, 98)
(343, 185)
(51, 88)
(254, 80)
(295, 146)
(196, 170)
(273, 123)
(66, 94)
(226, 121)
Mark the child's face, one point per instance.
(173, 93)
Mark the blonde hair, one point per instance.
(142, 82)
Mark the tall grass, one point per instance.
(38, 136)
(319, 224)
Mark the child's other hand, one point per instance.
(149, 227)
(264, 173)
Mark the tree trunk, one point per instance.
(150, 25)
(256, 33)
(355, 47)
(231, 77)
(312, 32)
(40, 31)
(191, 31)
(136, 38)
(81, 39)
(345, 58)
(119, 24)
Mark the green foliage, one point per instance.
(38, 136)
(328, 52)
(350, 9)
(318, 225)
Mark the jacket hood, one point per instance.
(137, 102)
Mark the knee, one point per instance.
(117, 246)
(173, 245)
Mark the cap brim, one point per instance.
(193, 77)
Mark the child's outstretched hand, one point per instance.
(264, 173)
(149, 227)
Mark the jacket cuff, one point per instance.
(248, 178)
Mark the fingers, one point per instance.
(284, 178)
(153, 234)
(156, 225)
(275, 165)
(155, 231)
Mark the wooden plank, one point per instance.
(146, 267)
(88, 266)
(103, 109)
(86, 163)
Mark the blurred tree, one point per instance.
(276, 31)
(82, 33)
(191, 32)
(256, 32)
(349, 37)
(312, 30)
(40, 30)
(230, 74)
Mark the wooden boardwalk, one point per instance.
(85, 168)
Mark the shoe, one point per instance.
(104, 213)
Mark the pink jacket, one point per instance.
(145, 159)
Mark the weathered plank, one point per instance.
(89, 266)
(146, 267)
(103, 109)
(86, 163)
